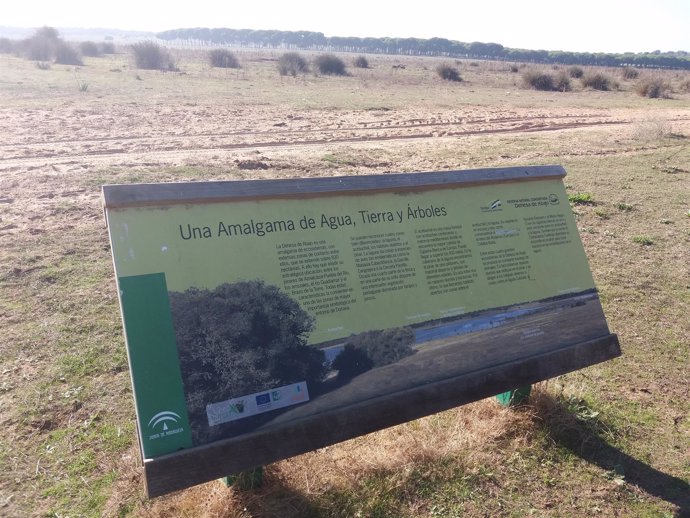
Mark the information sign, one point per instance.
(268, 318)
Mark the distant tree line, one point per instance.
(308, 40)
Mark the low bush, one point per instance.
(222, 58)
(562, 82)
(6, 46)
(538, 81)
(597, 81)
(291, 64)
(330, 65)
(448, 73)
(108, 47)
(654, 88)
(581, 198)
(361, 62)
(66, 54)
(41, 46)
(576, 72)
(643, 240)
(148, 55)
(90, 49)
(514, 69)
(630, 73)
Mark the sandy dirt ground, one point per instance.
(63, 366)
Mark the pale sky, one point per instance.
(575, 25)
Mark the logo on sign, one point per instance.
(263, 400)
(493, 206)
(163, 424)
(237, 408)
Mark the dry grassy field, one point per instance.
(611, 440)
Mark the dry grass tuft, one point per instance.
(461, 438)
(652, 128)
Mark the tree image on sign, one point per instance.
(238, 339)
(351, 362)
(371, 349)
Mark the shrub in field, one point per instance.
(597, 81)
(448, 72)
(108, 47)
(654, 88)
(66, 54)
(89, 48)
(148, 55)
(330, 65)
(685, 86)
(41, 46)
(361, 62)
(6, 46)
(291, 64)
(222, 58)
(538, 81)
(643, 240)
(630, 73)
(514, 69)
(562, 82)
(581, 198)
(576, 72)
(42, 65)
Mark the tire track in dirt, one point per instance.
(359, 126)
(183, 146)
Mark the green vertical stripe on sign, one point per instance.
(155, 366)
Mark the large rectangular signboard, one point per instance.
(268, 318)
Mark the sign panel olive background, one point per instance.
(206, 245)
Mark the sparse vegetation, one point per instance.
(148, 55)
(643, 240)
(538, 80)
(107, 47)
(624, 207)
(43, 65)
(581, 198)
(630, 73)
(6, 46)
(361, 62)
(90, 49)
(42, 45)
(66, 54)
(514, 68)
(562, 82)
(654, 88)
(291, 64)
(448, 72)
(597, 81)
(223, 58)
(575, 72)
(330, 65)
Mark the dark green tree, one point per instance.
(351, 362)
(385, 346)
(238, 339)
